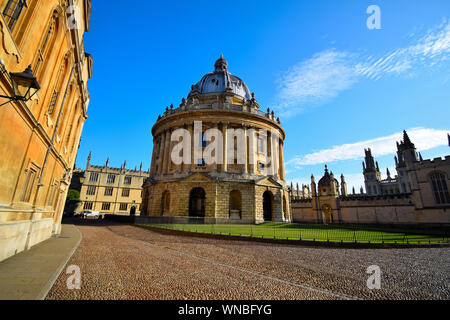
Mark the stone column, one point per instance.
(166, 152)
(153, 164)
(282, 177)
(245, 150)
(225, 147)
(274, 153)
(270, 148)
(216, 166)
(252, 150)
(169, 151)
(191, 132)
(184, 165)
(161, 152)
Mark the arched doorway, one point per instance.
(197, 202)
(133, 211)
(267, 205)
(165, 203)
(235, 204)
(327, 214)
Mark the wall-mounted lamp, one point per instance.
(24, 84)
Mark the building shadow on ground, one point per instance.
(95, 222)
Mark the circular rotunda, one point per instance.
(217, 157)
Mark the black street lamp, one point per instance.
(24, 84)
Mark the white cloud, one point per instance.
(320, 78)
(327, 73)
(423, 138)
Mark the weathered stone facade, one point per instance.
(112, 190)
(251, 190)
(418, 195)
(39, 138)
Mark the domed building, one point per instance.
(218, 157)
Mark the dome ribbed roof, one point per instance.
(221, 81)
(325, 181)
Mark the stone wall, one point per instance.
(39, 138)
(373, 210)
(217, 200)
(17, 236)
(302, 211)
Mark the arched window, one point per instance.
(12, 12)
(46, 48)
(235, 204)
(58, 87)
(439, 187)
(165, 203)
(65, 111)
(267, 205)
(197, 198)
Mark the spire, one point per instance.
(353, 190)
(369, 161)
(343, 186)
(378, 168)
(313, 186)
(88, 159)
(107, 163)
(140, 167)
(406, 138)
(125, 165)
(420, 156)
(361, 190)
(388, 173)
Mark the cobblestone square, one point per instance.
(127, 262)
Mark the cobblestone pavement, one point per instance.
(127, 262)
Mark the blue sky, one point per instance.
(337, 86)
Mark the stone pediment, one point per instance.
(195, 177)
(268, 181)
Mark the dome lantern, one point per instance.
(221, 81)
(221, 65)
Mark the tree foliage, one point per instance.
(73, 195)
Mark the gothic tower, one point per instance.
(406, 156)
(372, 175)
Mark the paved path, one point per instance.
(29, 275)
(126, 262)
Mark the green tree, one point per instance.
(73, 195)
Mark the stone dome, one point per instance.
(221, 81)
(325, 181)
